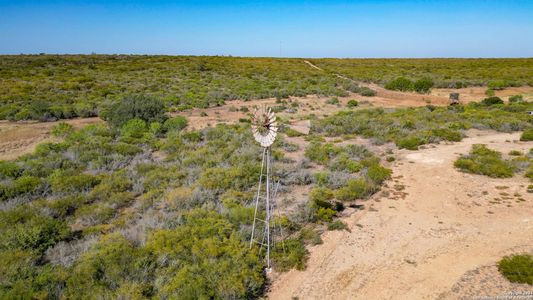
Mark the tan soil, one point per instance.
(19, 138)
(418, 242)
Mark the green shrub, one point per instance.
(66, 183)
(134, 128)
(515, 153)
(289, 253)
(378, 174)
(410, 142)
(447, 134)
(516, 99)
(354, 189)
(498, 85)
(292, 133)
(109, 266)
(24, 185)
(27, 230)
(367, 92)
(206, 246)
(140, 107)
(517, 268)
(423, 85)
(490, 93)
(9, 169)
(333, 101)
(337, 225)
(352, 103)
(321, 194)
(309, 235)
(324, 214)
(400, 84)
(175, 124)
(62, 129)
(492, 101)
(527, 135)
(484, 161)
(320, 153)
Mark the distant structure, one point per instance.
(454, 98)
(265, 130)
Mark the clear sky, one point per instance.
(470, 28)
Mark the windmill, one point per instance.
(264, 129)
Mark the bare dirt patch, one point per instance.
(419, 246)
(20, 138)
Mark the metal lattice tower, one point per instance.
(264, 128)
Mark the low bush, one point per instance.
(289, 253)
(527, 135)
(292, 133)
(333, 101)
(378, 174)
(320, 153)
(517, 268)
(516, 99)
(24, 185)
(354, 189)
(400, 84)
(352, 103)
(484, 161)
(68, 183)
(498, 84)
(367, 92)
(321, 195)
(134, 128)
(337, 225)
(423, 85)
(175, 124)
(492, 101)
(62, 129)
(410, 142)
(141, 107)
(9, 169)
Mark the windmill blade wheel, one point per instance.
(264, 126)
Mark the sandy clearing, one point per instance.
(420, 246)
(19, 138)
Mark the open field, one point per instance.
(452, 72)
(155, 198)
(21, 138)
(49, 87)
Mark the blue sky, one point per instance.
(288, 28)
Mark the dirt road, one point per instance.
(419, 245)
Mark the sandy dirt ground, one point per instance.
(432, 233)
(19, 138)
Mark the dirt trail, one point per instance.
(419, 245)
(312, 65)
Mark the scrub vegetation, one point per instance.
(411, 128)
(484, 161)
(517, 268)
(142, 207)
(51, 87)
(402, 74)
